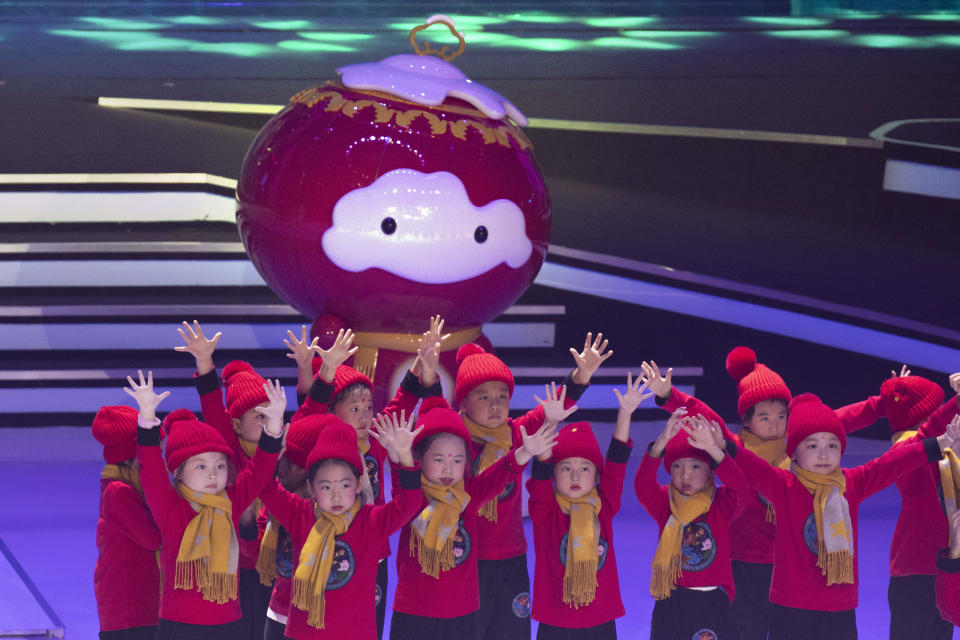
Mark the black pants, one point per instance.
(169, 630)
(133, 633)
(750, 609)
(787, 623)
(913, 609)
(689, 613)
(404, 626)
(254, 600)
(381, 596)
(605, 631)
(273, 630)
(504, 599)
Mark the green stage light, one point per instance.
(283, 25)
(634, 43)
(809, 34)
(333, 36)
(619, 22)
(788, 21)
(313, 46)
(120, 24)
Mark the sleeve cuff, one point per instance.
(248, 531)
(541, 470)
(730, 447)
(410, 383)
(932, 448)
(947, 564)
(409, 477)
(574, 390)
(662, 401)
(320, 391)
(650, 450)
(619, 452)
(148, 437)
(207, 383)
(268, 443)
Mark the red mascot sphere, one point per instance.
(400, 191)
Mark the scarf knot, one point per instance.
(207, 558)
(834, 529)
(432, 531)
(497, 442)
(666, 567)
(580, 571)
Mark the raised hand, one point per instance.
(198, 345)
(428, 351)
(537, 444)
(904, 372)
(660, 385)
(955, 383)
(143, 393)
(300, 350)
(553, 410)
(338, 353)
(277, 397)
(702, 435)
(634, 395)
(396, 435)
(589, 360)
(950, 437)
(674, 423)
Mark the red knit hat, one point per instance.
(302, 436)
(187, 437)
(678, 447)
(116, 429)
(755, 382)
(475, 366)
(344, 378)
(909, 401)
(576, 440)
(244, 388)
(808, 415)
(437, 417)
(336, 440)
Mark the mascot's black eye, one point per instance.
(480, 234)
(388, 226)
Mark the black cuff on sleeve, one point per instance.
(411, 383)
(541, 470)
(946, 563)
(409, 478)
(148, 437)
(248, 531)
(650, 450)
(662, 401)
(320, 391)
(268, 443)
(301, 398)
(731, 448)
(618, 451)
(434, 391)
(932, 448)
(574, 390)
(207, 383)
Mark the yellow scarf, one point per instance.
(950, 481)
(208, 551)
(666, 567)
(433, 530)
(496, 443)
(123, 473)
(316, 558)
(580, 572)
(249, 446)
(267, 558)
(774, 452)
(834, 529)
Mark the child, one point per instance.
(276, 561)
(762, 398)
(484, 386)
(237, 419)
(348, 394)
(126, 580)
(814, 586)
(337, 538)
(437, 594)
(573, 498)
(948, 574)
(199, 515)
(913, 406)
(691, 578)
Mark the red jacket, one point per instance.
(750, 534)
(173, 514)
(705, 562)
(455, 593)
(550, 527)
(922, 528)
(126, 579)
(797, 581)
(349, 610)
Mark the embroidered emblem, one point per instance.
(602, 548)
(342, 568)
(699, 547)
(521, 605)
